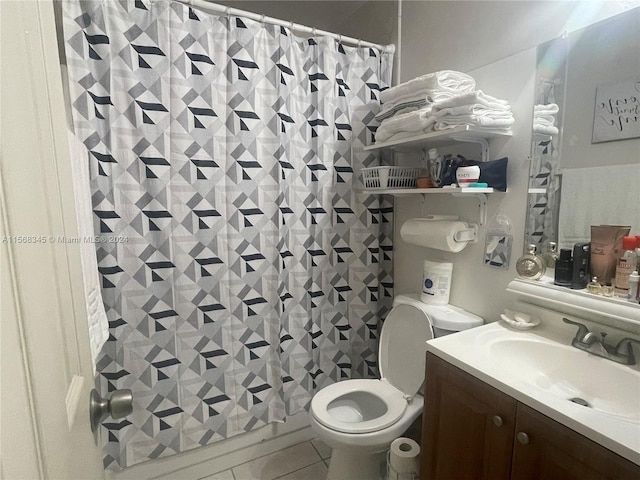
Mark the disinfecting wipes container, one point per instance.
(436, 282)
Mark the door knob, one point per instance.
(497, 420)
(522, 438)
(118, 405)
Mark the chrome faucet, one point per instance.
(595, 344)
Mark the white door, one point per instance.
(46, 360)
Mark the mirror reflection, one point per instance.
(585, 167)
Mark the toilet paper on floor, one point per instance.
(404, 457)
(446, 235)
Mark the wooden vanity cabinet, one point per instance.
(468, 426)
(551, 450)
(473, 431)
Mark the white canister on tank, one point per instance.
(436, 282)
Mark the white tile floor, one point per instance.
(304, 461)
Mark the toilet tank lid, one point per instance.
(444, 317)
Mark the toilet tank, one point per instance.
(445, 319)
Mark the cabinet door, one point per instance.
(468, 426)
(550, 450)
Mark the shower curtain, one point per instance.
(242, 267)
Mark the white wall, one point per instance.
(495, 42)
(464, 35)
(373, 21)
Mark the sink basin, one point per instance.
(568, 373)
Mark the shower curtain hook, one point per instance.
(359, 43)
(262, 19)
(291, 25)
(226, 11)
(313, 31)
(339, 38)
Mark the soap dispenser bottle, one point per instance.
(530, 265)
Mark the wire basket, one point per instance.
(391, 177)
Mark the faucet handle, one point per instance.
(582, 329)
(625, 344)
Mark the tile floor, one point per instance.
(304, 461)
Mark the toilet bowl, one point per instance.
(359, 419)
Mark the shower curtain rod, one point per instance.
(214, 7)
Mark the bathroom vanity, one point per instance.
(499, 405)
(472, 430)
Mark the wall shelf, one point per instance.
(479, 193)
(465, 133)
(405, 192)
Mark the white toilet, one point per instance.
(359, 419)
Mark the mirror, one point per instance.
(585, 167)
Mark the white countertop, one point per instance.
(469, 351)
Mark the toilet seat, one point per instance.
(345, 406)
(323, 404)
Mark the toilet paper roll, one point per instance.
(438, 234)
(404, 456)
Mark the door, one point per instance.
(468, 426)
(46, 362)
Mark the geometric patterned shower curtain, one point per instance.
(242, 267)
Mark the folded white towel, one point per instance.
(445, 80)
(397, 109)
(477, 110)
(544, 119)
(420, 95)
(475, 97)
(545, 129)
(550, 108)
(405, 122)
(403, 135)
(452, 121)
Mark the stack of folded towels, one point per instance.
(439, 101)
(544, 119)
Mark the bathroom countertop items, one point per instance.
(439, 101)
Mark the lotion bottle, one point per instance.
(626, 264)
